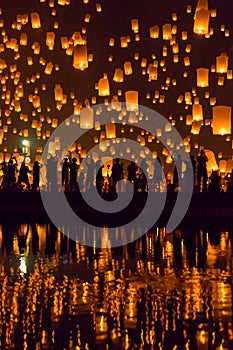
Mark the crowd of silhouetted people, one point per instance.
(20, 177)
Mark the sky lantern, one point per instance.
(58, 92)
(222, 165)
(128, 68)
(222, 63)
(196, 127)
(202, 4)
(118, 75)
(131, 98)
(103, 87)
(202, 77)
(80, 60)
(197, 112)
(49, 68)
(134, 25)
(50, 38)
(201, 22)
(35, 20)
(167, 31)
(212, 163)
(86, 118)
(229, 165)
(154, 32)
(110, 131)
(23, 39)
(221, 120)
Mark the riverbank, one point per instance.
(204, 208)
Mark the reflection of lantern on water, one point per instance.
(221, 120)
(212, 163)
(222, 63)
(202, 77)
(80, 60)
(201, 21)
(131, 98)
(86, 118)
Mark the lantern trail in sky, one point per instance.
(59, 57)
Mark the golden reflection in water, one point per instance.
(164, 291)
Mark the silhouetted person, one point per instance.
(143, 177)
(73, 174)
(202, 176)
(117, 173)
(99, 177)
(81, 180)
(215, 183)
(132, 170)
(177, 169)
(90, 173)
(11, 171)
(229, 178)
(36, 175)
(52, 173)
(194, 165)
(157, 177)
(23, 175)
(4, 183)
(65, 173)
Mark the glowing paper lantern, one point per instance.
(110, 131)
(221, 120)
(118, 75)
(229, 166)
(167, 31)
(35, 20)
(222, 166)
(128, 68)
(202, 77)
(135, 25)
(222, 63)
(202, 4)
(197, 112)
(58, 92)
(49, 68)
(201, 22)
(23, 39)
(196, 127)
(212, 163)
(103, 87)
(86, 118)
(131, 98)
(154, 32)
(50, 38)
(80, 60)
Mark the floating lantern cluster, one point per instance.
(35, 99)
